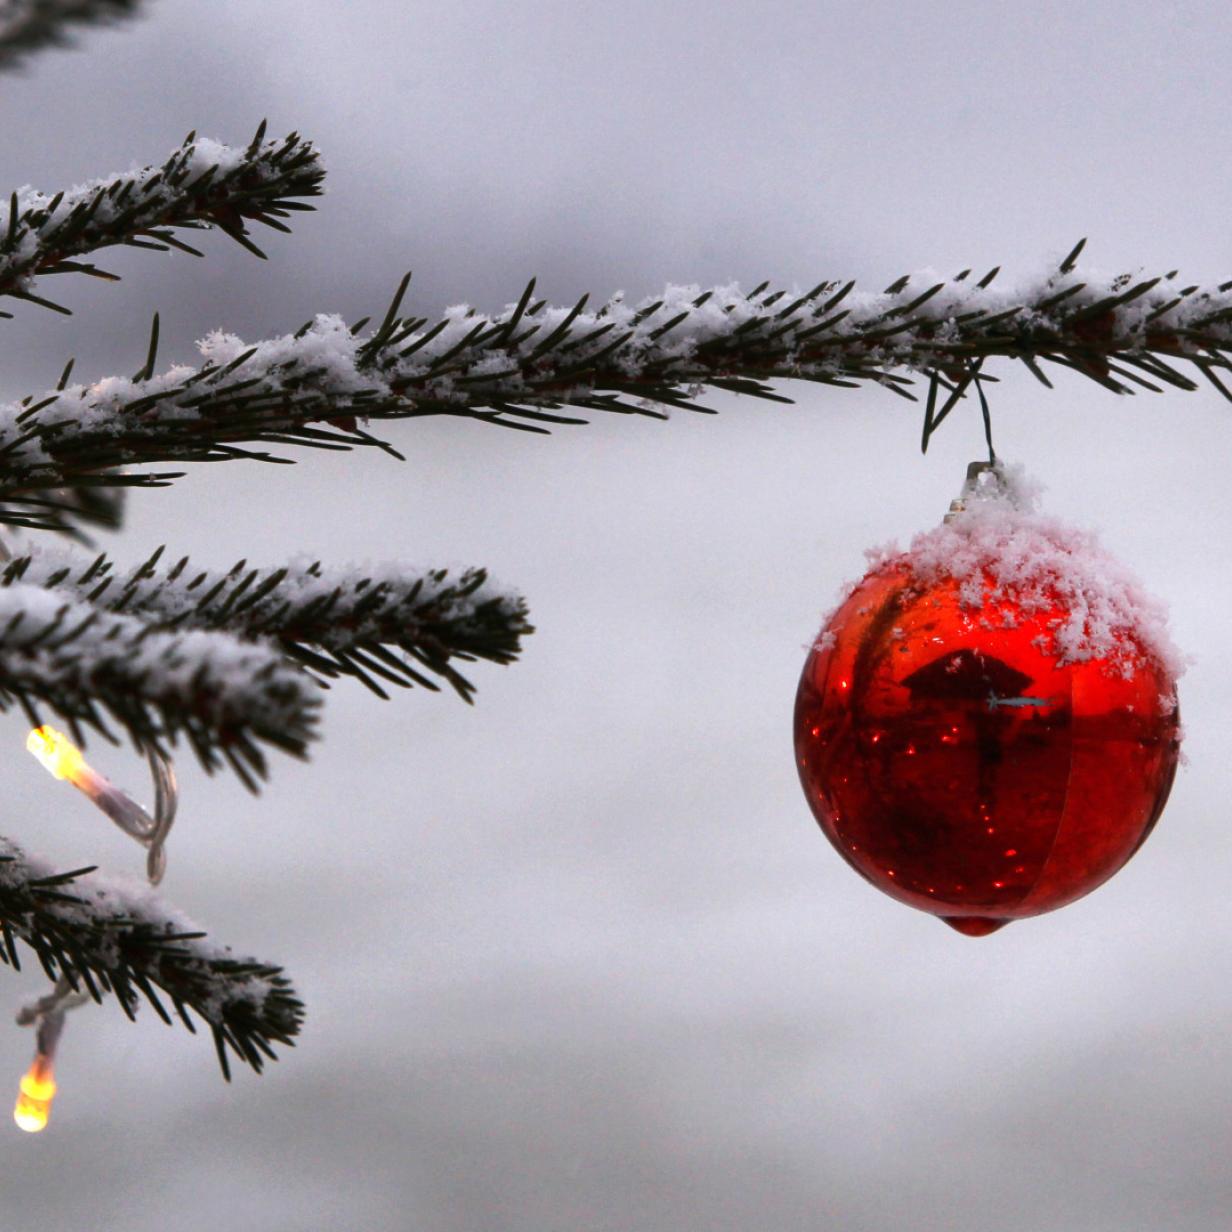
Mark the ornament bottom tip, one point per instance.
(974, 925)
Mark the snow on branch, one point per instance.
(201, 184)
(88, 665)
(30, 25)
(111, 936)
(349, 621)
(523, 366)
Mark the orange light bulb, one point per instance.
(38, 1087)
(58, 754)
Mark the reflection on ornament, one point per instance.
(987, 727)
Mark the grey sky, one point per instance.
(579, 958)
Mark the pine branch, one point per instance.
(203, 184)
(27, 26)
(107, 937)
(75, 512)
(522, 367)
(335, 622)
(89, 666)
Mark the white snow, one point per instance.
(243, 681)
(1006, 556)
(327, 350)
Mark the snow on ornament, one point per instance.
(987, 727)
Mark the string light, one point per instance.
(33, 1108)
(38, 1085)
(63, 760)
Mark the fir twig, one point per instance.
(520, 368)
(202, 184)
(395, 625)
(105, 938)
(75, 512)
(224, 696)
(27, 26)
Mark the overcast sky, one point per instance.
(579, 957)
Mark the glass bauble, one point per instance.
(963, 755)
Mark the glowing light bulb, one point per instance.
(38, 1087)
(63, 759)
(58, 754)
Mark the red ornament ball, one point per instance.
(987, 727)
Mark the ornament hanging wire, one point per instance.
(934, 417)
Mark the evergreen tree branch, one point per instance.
(104, 936)
(522, 367)
(76, 512)
(90, 666)
(383, 624)
(203, 184)
(27, 26)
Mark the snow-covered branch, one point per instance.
(201, 184)
(109, 936)
(88, 665)
(338, 621)
(29, 25)
(521, 367)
